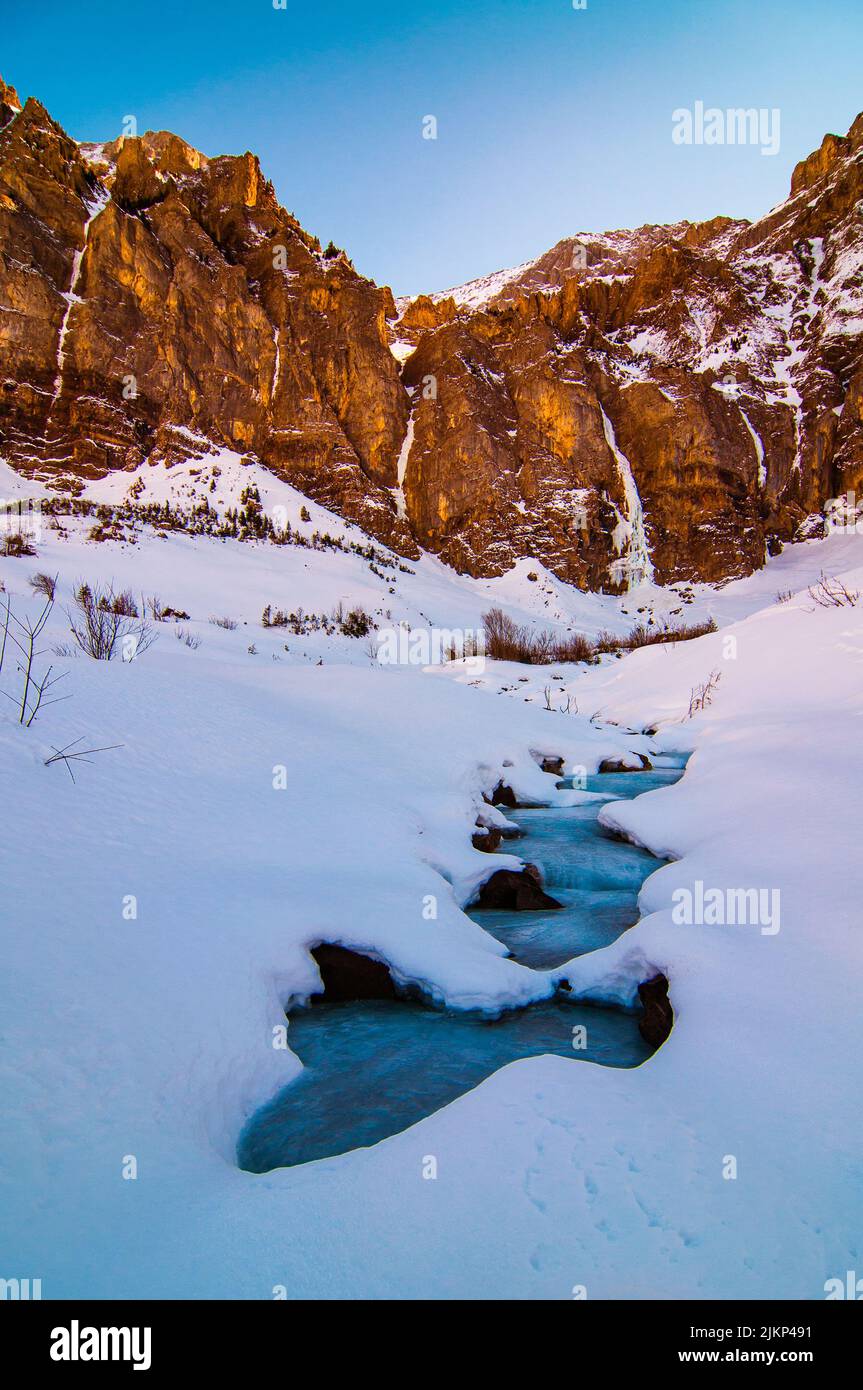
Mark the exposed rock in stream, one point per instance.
(657, 1020)
(626, 764)
(349, 975)
(503, 796)
(516, 891)
(488, 840)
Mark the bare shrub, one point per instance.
(574, 647)
(830, 592)
(123, 604)
(701, 696)
(644, 636)
(784, 596)
(102, 624)
(44, 584)
(569, 705)
(23, 635)
(229, 624)
(507, 640)
(189, 639)
(82, 755)
(16, 544)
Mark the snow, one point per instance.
(759, 448)
(151, 1035)
(402, 466)
(477, 293)
(636, 564)
(71, 296)
(277, 363)
(401, 349)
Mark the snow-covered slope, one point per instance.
(158, 911)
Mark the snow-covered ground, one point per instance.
(158, 910)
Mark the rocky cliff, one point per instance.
(671, 401)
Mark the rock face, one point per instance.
(678, 398)
(670, 401)
(156, 301)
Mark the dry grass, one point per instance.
(16, 544)
(44, 584)
(507, 640)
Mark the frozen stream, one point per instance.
(375, 1067)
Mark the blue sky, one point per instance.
(551, 120)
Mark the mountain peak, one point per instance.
(10, 103)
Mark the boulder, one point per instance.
(657, 1020)
(516, 890)
(626, 764)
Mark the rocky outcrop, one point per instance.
(669, 401)
(159, 303)
(10, 103)
(718, 364)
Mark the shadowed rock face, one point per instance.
(681, 397)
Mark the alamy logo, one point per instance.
(77, 1343)
(20, 1289)
(21, 518)
(849, 1288)
(727, 907)
(431, 646)
(738, 125)
(844, 515)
